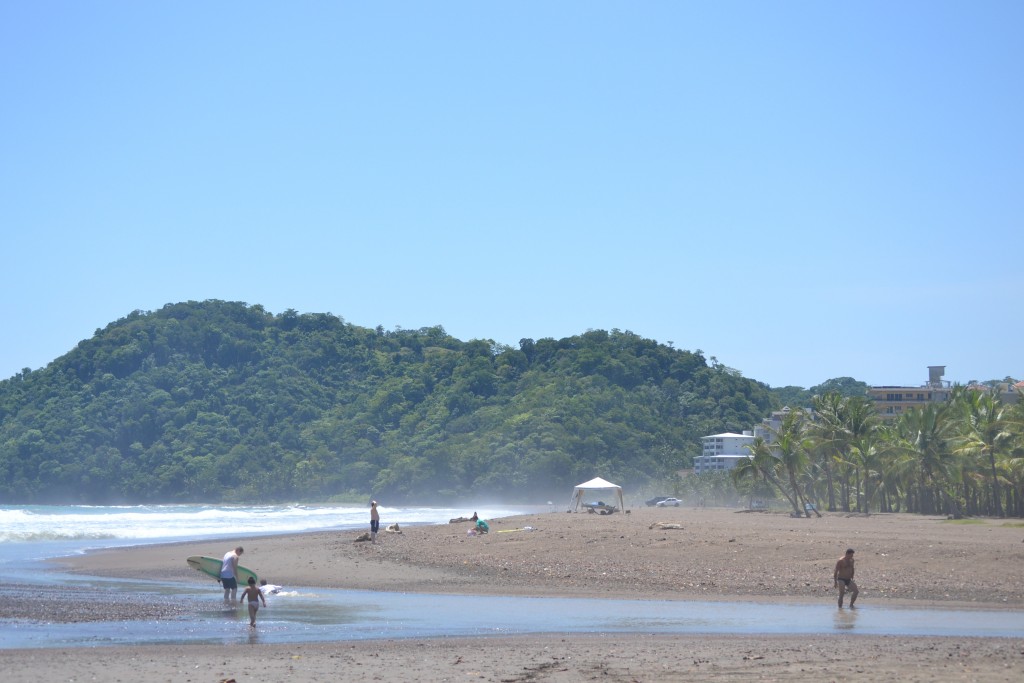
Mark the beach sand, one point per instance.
(715, 554)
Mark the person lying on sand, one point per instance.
(459, 520)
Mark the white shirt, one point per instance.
(227, 565)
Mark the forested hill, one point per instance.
(217, 401)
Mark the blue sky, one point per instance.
(804, 190)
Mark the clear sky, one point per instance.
(804, 190)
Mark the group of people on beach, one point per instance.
(229, 581)
(257, 594)
(842, 575)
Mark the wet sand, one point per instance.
(715, 554)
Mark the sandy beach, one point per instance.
(650, 553)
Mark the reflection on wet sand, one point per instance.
(335, 615)
(845, 619)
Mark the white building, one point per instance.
(770, 426)
(722, 451)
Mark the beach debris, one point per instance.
(665, 525)
(365, 536)
(393, 529)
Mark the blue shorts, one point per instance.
(229, 583)
(374, 525)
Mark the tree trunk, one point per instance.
(831, 487)
(995, 484)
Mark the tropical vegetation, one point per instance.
(962, 457)
(222, 401)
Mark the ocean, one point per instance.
(30, 534)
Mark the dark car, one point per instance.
(654, 501)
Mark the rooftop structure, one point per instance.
(893, 401)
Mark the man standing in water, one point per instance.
(229, 574)
(843, 577)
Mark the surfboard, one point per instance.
(211, 567)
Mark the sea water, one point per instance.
(30, 534)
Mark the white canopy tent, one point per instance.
(599, 485)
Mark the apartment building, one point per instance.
(893, 401)
(722, 451)
(770, 426)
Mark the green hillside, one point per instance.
(218, 401)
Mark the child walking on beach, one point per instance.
(255, 597)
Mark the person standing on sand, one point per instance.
(374, 521)
(255, 595)
(229, 574)
(842, 578)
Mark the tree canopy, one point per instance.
(219, 401)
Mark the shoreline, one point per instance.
(713, 555)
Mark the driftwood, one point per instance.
(665, 525)
(365, 536)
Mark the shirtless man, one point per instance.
(843, 578)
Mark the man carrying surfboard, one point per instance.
(229, 574)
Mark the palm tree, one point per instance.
(889, 448)
(862, 425)
(762, 464)
(1014, 461)
(870, 455)
(983, 435)
(925, 455)
(830, 436)
(791, 446)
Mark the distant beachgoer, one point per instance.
(473, 518)
(255, 595)
(843, 578)
(482, 527)
(229, 574)
(374, 521)
(269, 588)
